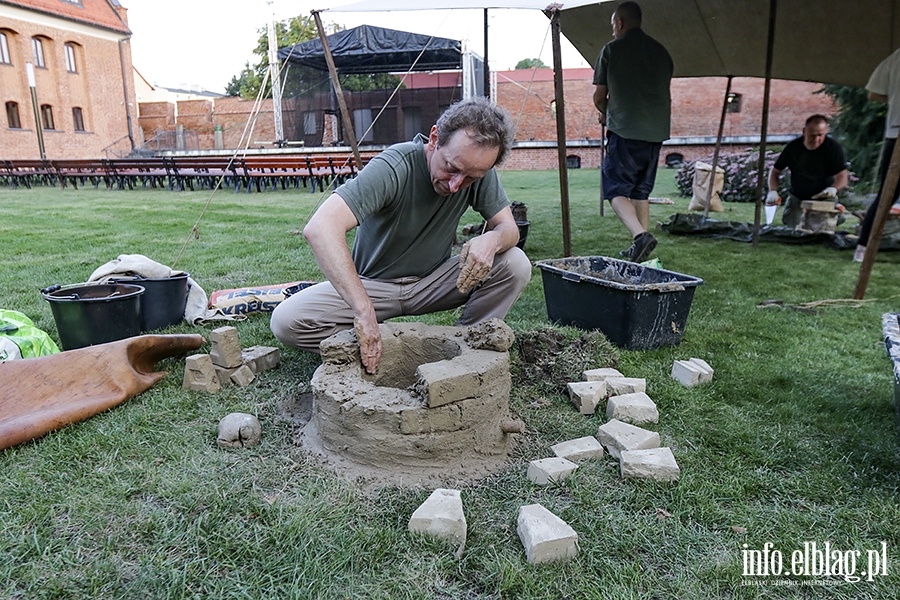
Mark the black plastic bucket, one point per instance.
(163, 302)
(523, 233)
(88, 314)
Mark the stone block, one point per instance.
(547, 470)
(636, 408)
(225, 349)
(706, 370)
(691, 372)
(441, 516)
(200, 375)
(579, 449)
(654, 463)
(586, 395)
(224, 374)
(600, 374)
(546, 537)
(447, 381)
(261, 358)
(243, 376)
(616, 386)
(617, 436)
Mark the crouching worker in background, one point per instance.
(818, 169)
(406, 205)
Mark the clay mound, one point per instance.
(435, 412)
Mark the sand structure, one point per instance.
(437, 406)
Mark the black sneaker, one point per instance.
(641, 248)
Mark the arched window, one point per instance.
(71, 65)
(12, 115)
(4, 50)
(47, 116)
(78, 118)
(37, 49)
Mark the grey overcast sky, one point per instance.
(204, 43)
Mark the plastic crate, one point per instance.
(636, 307)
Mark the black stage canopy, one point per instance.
(369, 49)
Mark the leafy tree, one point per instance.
(296, 80)
(530, 63)
(859, 125)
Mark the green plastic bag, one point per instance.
(19, 338)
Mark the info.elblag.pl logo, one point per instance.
(822, 561)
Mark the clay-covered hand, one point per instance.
(369, 336)
(828, 193)
(772, 198)
(475, 266)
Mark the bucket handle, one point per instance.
(571, 276)
(55, 288)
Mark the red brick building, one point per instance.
(529, 97)
(83, 79)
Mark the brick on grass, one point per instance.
(616, 386)
(691, 372)
(243, 376)
(261, 358)
(654, 463)
(587, 395)
(200, 375)
(579, 449)
(617, 436)
(225, 349)
(600, 374)
(546, 470)
(546, 537)
(636, 408)
(441, 516)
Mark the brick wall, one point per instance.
(529, 97)
(97, 88)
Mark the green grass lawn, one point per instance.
(795, 441)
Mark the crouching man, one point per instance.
(406, 205)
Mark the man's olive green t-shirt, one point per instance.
(406, 228)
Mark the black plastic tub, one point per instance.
(163, 302)
(95, 313)
(636, 307)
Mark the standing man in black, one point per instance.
(631, 91)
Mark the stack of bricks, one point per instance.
(227, 363)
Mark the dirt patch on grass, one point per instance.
(555, 356)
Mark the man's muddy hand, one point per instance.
(369, 336)
(475, 267)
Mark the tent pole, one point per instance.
(336, 85)
(275, 78)
(764, 129)
(715, 160)
(884, 206)
(487, 70)
(561, 130)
